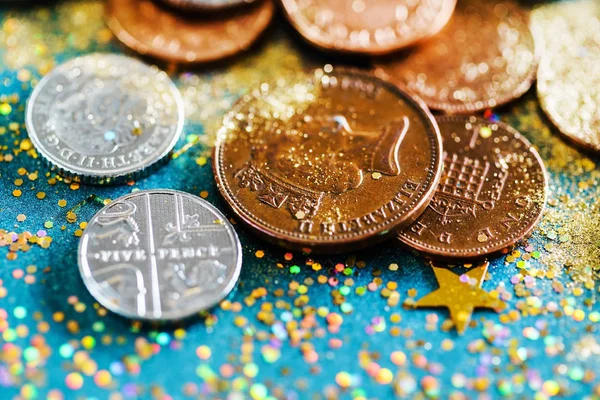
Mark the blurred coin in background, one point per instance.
(483, 58)
(152, 30)
(367, 26)
(568, 84)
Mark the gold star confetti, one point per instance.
(460, 294)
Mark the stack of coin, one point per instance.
(477, 56)
(340, 159)
(329, 160)
(188, 31)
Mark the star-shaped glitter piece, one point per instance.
(460, 294)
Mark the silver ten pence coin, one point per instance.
(159, 255)
(105, 118)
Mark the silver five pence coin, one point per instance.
(159, 255)
(105, 118)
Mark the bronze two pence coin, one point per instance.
(150, 29)
(367, 26)
(483, 58)
(329, 160)
(491, 195)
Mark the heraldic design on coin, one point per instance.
(104, 117)
(331, 161)
(491, 194)
(159, 255)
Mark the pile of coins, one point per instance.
(330, 160)
(338, 159)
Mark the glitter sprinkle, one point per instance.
(5, 108)
(74, 381)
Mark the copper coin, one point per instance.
(149, 29)
(568, 85)
(483, 58)
(367, 26)
(491, 195)
(206, 5)
(328, 160)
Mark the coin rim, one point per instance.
(96, 176)
(128, 39)
(339, 243)
(482, 251)
(491, 102)
(165, 316)
(291, 10)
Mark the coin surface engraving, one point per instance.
(105, 118)
(491, 194)
(367, 26)
(328, 160)
(568, 83)
(484, 57)
(159, 255)
(147, 28)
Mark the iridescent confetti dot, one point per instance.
(5, 109)
(20, 312)
(74, 381)
(343, 379)
(102, 378)
(258, 391)
(203, 352)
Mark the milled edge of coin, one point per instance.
(99, 297)
(100, 178)
(290, 9)
(131, 42)
(440, 253)
(343, 242)
(480, 105)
